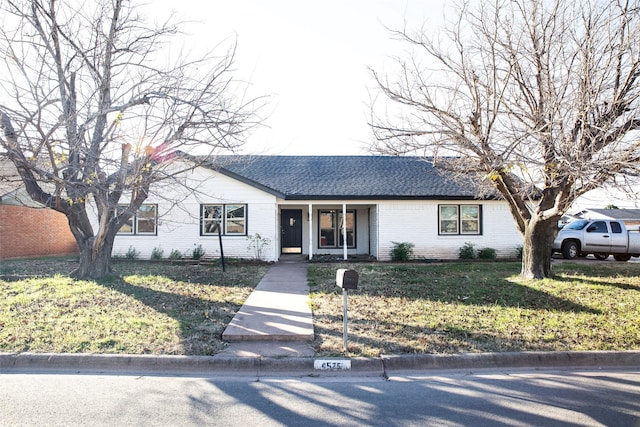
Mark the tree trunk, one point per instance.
(536, 250)
(95, 262)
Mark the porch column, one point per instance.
(310, 231)
(344, 230)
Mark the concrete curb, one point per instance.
(537, 360)
(179, 365)
(304, 366)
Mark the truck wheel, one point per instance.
(570, 250)
(622, 257)
(601, 256)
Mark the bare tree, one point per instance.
(541, 97)
(92, 115)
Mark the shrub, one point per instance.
(402, 251)
(132, 253)
(198, 252)
(467, 251)
(157, 254)
(257, 243)
(487, 253)
(175, 254)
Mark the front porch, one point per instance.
(328, 229)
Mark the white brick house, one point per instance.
(298, 203)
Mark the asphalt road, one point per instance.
(442, 398)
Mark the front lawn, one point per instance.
(164, 308)
(477, 307)
(149, 308)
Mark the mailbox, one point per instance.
(347, 279)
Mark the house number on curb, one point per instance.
(332, 365)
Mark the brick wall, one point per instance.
(31, 232)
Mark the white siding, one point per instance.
(379, 223)
(417, 223)
(179, 224)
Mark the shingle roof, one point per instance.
(345, 177)
(619, 214)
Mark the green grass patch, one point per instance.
(477, 307)
(147, 308)
(164, 308)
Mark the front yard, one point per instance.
(163, 308)
(478, 307)
(151, 308)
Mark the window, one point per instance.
(144, 222)
(598, 227)
(209, 217)
(235, 219)
(330, 225)
(616, 227)
(576, 225)
(459, 219)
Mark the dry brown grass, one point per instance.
(163, 308)
(477, 307)
(155, 308)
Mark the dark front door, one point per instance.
(291, 229)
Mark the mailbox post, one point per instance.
(346, 279)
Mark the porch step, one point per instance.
(277, 309)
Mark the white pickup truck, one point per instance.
(599, 237)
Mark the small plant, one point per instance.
(157, 254)
(402, 251)
(132, 253)
(198, 252)
(175, 254)
(257, 243)
(487, 253)
(467, 251)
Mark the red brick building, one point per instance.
(34, 232)
(25, 229)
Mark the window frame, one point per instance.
(134, 221)
(225, 210)
(458, 220)
(337, 230)
(616, 227)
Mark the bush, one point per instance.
(467, 251)
(198, 252)
(132, 253)
(257, 243)
(487, 253)
(402, 251)
(175, 254)
(157, 254)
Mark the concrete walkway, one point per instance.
(276, 319)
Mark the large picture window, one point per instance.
(330, 228)
(232, 218)
(144, 222)
(459, 219)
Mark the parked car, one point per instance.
(598, 237)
